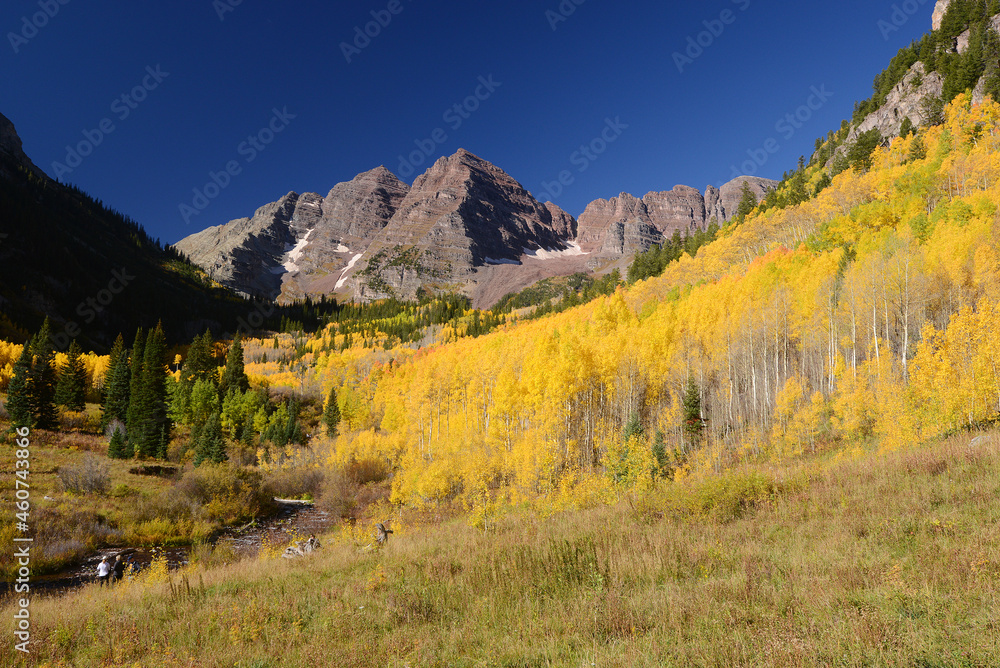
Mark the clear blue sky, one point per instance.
(207, 84)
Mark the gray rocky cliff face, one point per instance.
(375, 236)
(624, 225)
(300, 244)
(905, 100)
(243, 253)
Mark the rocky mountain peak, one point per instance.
(10, 146)
(464, 224)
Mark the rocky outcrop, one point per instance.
(243, 254)
(939, 9)
(623, 225)
(907, 99)
(721, 203)
(375, 236)
(10, 147)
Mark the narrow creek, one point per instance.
(292, 520)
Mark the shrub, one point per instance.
(295, 483)
(122, 491)
(88, 477)
(225, 492)
(338, 495)
(364, 471)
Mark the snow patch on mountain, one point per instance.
(350, 265)
(295, 252)
(572, 249)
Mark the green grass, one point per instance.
(889, 560)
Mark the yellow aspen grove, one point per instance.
(865, 316)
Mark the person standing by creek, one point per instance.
(118, 571)
(103, 571)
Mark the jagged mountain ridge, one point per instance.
(464, 226)
(265, 255)
(625, 225)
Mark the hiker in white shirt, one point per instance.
(103, 571)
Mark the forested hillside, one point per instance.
(866, 315)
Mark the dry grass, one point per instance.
(887, 560)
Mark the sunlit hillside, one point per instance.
(864, 317)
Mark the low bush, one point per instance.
(88, 477)
(225, 493)
(295, 483)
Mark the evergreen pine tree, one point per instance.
(748, 201)
(906, 128)
(153, 427)
(116, 385)
(693, 425)
(42, 380)
(211, 444)
(660, 454)
(71, 389)
(116, 446)
(823, 183)
(234, 376)
(132, 414)
(633, 428)
(116, 351)
(18, 400)
(797, 185)
(200, 362)
(331, 413)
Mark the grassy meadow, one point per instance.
(834, 560)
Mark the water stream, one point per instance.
(293, 520)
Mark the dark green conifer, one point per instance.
(211, 445)
(116, 385)
(694, 424)
(135, 384)
(331, 414)
(18, 400)
(152, 422)
(71, 389)
(117, 445)
(234, 376)
(42, 380)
